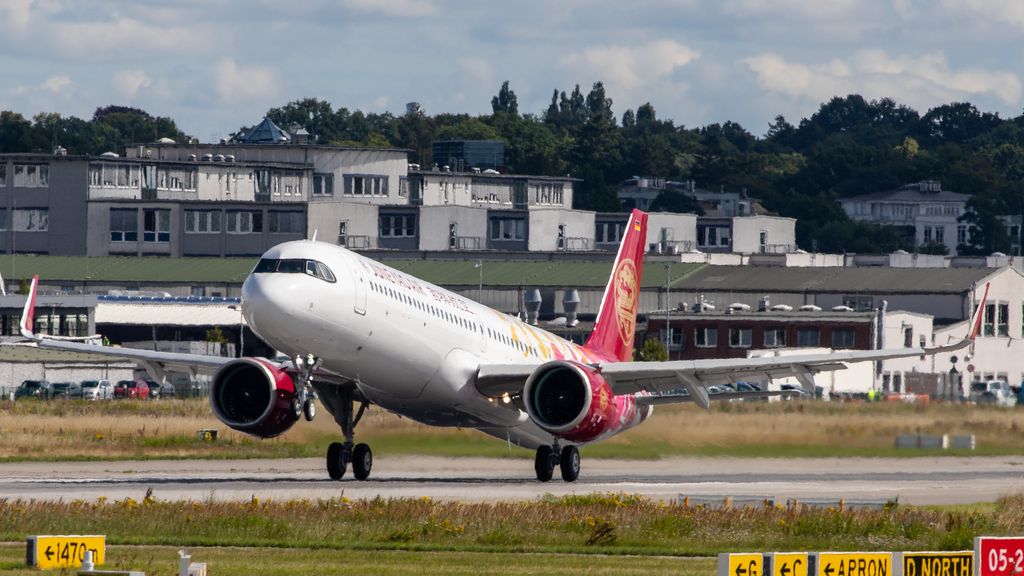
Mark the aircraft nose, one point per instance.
(267, 303)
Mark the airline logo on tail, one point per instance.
(614, 330)
(626, 298)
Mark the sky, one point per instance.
(217, 65)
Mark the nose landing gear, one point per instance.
(567, 459)
(304, 403)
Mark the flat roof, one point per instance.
(846, 280)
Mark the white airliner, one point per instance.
(361, 333)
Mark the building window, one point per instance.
(843, 338)
(908, 337)
(808, 337)
(31, 176)
(290, 222)
(403, 226)
(156, 225)
(674, 338)
(561, 237)
(323, 184)
(706, 337)
(609, 232)
(740, 337)
(31, 220)
(244, 222)
(453, 236)
(3, 175)
(403, 187)
(508, 229)
(859, 303)
(961, 234)
(940, 234)
(927, 234)
(124, 225)
(366, 185)
(202, 221)
(988, 327)
(3, 219)
(774, 337)
(343, 233)
(1003, 320)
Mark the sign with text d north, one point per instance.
(48, 552)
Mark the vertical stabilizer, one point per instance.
(612, 338)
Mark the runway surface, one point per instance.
(923, 480)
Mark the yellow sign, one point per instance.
(938, 563)
(740, 564)
(789, 564)
(855, 564)
(64, 551)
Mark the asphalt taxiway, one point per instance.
(918, 480)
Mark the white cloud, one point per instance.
(56, 84)
(921, 82)
(381, 102)
(1009, 11)
(478, 71)
(629, 67)
(236, 83)
(129, 82)
(399, 8)
(811, 9)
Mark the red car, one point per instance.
(131, 389)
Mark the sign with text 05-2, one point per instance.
(64, 551)
(744, 564)
(855, 564)
(997, 556)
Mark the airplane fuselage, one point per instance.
(411, 347)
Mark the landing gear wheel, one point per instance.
(569, 462)
(309, 409)
(362, 461)
(296, 409)
(544, 463)
(336, 460)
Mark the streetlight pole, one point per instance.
(480, 286)
(668, 325)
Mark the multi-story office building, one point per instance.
(924, 212)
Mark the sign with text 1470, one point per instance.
(999, 556)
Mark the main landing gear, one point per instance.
(567, 459)
(341, 454)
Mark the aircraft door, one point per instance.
(359, 304)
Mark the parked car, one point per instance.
(65, 390)
(167, 390)
(97, 390)
(131, 389)
(33, 389)
(993, 392)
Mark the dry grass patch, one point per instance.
(167, 429)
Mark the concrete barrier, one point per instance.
(726, 501)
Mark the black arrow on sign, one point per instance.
(49, 553)
(740, 570)
(784, 570)
(828, 570)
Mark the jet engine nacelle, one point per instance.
(254, 396)
(570, 400)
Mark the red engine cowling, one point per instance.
(254, 396)
(571, 401)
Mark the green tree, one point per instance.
(653, 350)
(505, 101)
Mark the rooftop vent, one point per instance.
(781, 308)
(810, 308)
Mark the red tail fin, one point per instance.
(613, 333)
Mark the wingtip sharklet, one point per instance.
(29, 312)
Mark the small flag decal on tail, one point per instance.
(636, 225)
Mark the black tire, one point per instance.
(544, 464)
(569, 463)
(309, 410)
(362, 461)
(336, 460)
(296, 409)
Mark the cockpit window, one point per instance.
(295, 266)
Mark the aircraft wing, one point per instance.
(665, 377)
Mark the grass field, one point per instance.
(596, 534)
(128, 429)
(231, 561)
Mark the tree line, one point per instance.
(849, 146)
